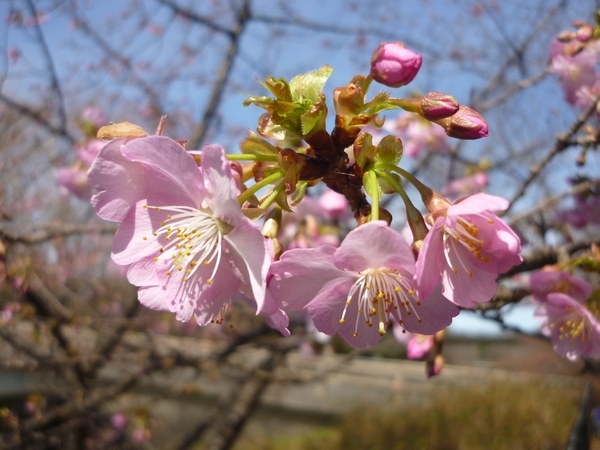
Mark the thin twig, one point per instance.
(224, 73)
(562, 142)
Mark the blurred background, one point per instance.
(83, 365)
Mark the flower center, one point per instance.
(192, 238)
(464, 234)
(573, 326)
(379, 293)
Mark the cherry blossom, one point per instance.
(360, 288)
(573, 328)
(466, 248)
(183, 235)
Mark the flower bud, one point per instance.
(393, 65)
(436, 105)
(585, 32)
(466, 123)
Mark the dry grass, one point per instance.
(515, 416)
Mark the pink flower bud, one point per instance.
(435, 105)
(393, 65)
(465, 124)
(585, 32)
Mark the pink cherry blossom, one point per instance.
(574, 71)
(74, 181)
(549, 281)
(467, 247)
(417, 345)
(94, 116)
(183, 235)
(573, 329)
(367, 281)
(417, 134)
(468, 185)
(120, 180)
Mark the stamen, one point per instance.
(192, 236)
(379, 292)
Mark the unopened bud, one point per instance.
(585, 32)
(349, 100)
(466, 123)
(434, 367)
(436, 105)
(393, 65)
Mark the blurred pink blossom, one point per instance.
(468, 185)
(418, 134)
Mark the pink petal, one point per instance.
(464, 290)
(476, 204)
(374, 245)
(302, 275)
(172, 174)
(121, 181)
(221, 189)
(250, 253)
(129, 244)
(326, 312)
(436, 313)
(430, 262)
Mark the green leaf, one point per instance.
(279, 87)
(309, 85)
(315, 117)
(253, 144)
(389, 150)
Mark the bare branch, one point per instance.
(48, 231)
(224, 73)
(62, 115)
(562, 142)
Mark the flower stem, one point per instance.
(432, 200)
(413, 215)
(244, 157)
(258, 186)
(268, 201)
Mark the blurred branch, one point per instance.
(38, 118)
(51, 70)
(504, 296)
(191, 15)
(562, 142)
(45, 232)
(241, 404)
(580, 436)
(542, 256)
(550, 201)
(113, 54)
(224, 72)
(514, 58)
(512, 90)
(94, 399)
(106, 348)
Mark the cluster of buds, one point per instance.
(188, 219)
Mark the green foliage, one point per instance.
(494, 416)
(308, 86)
